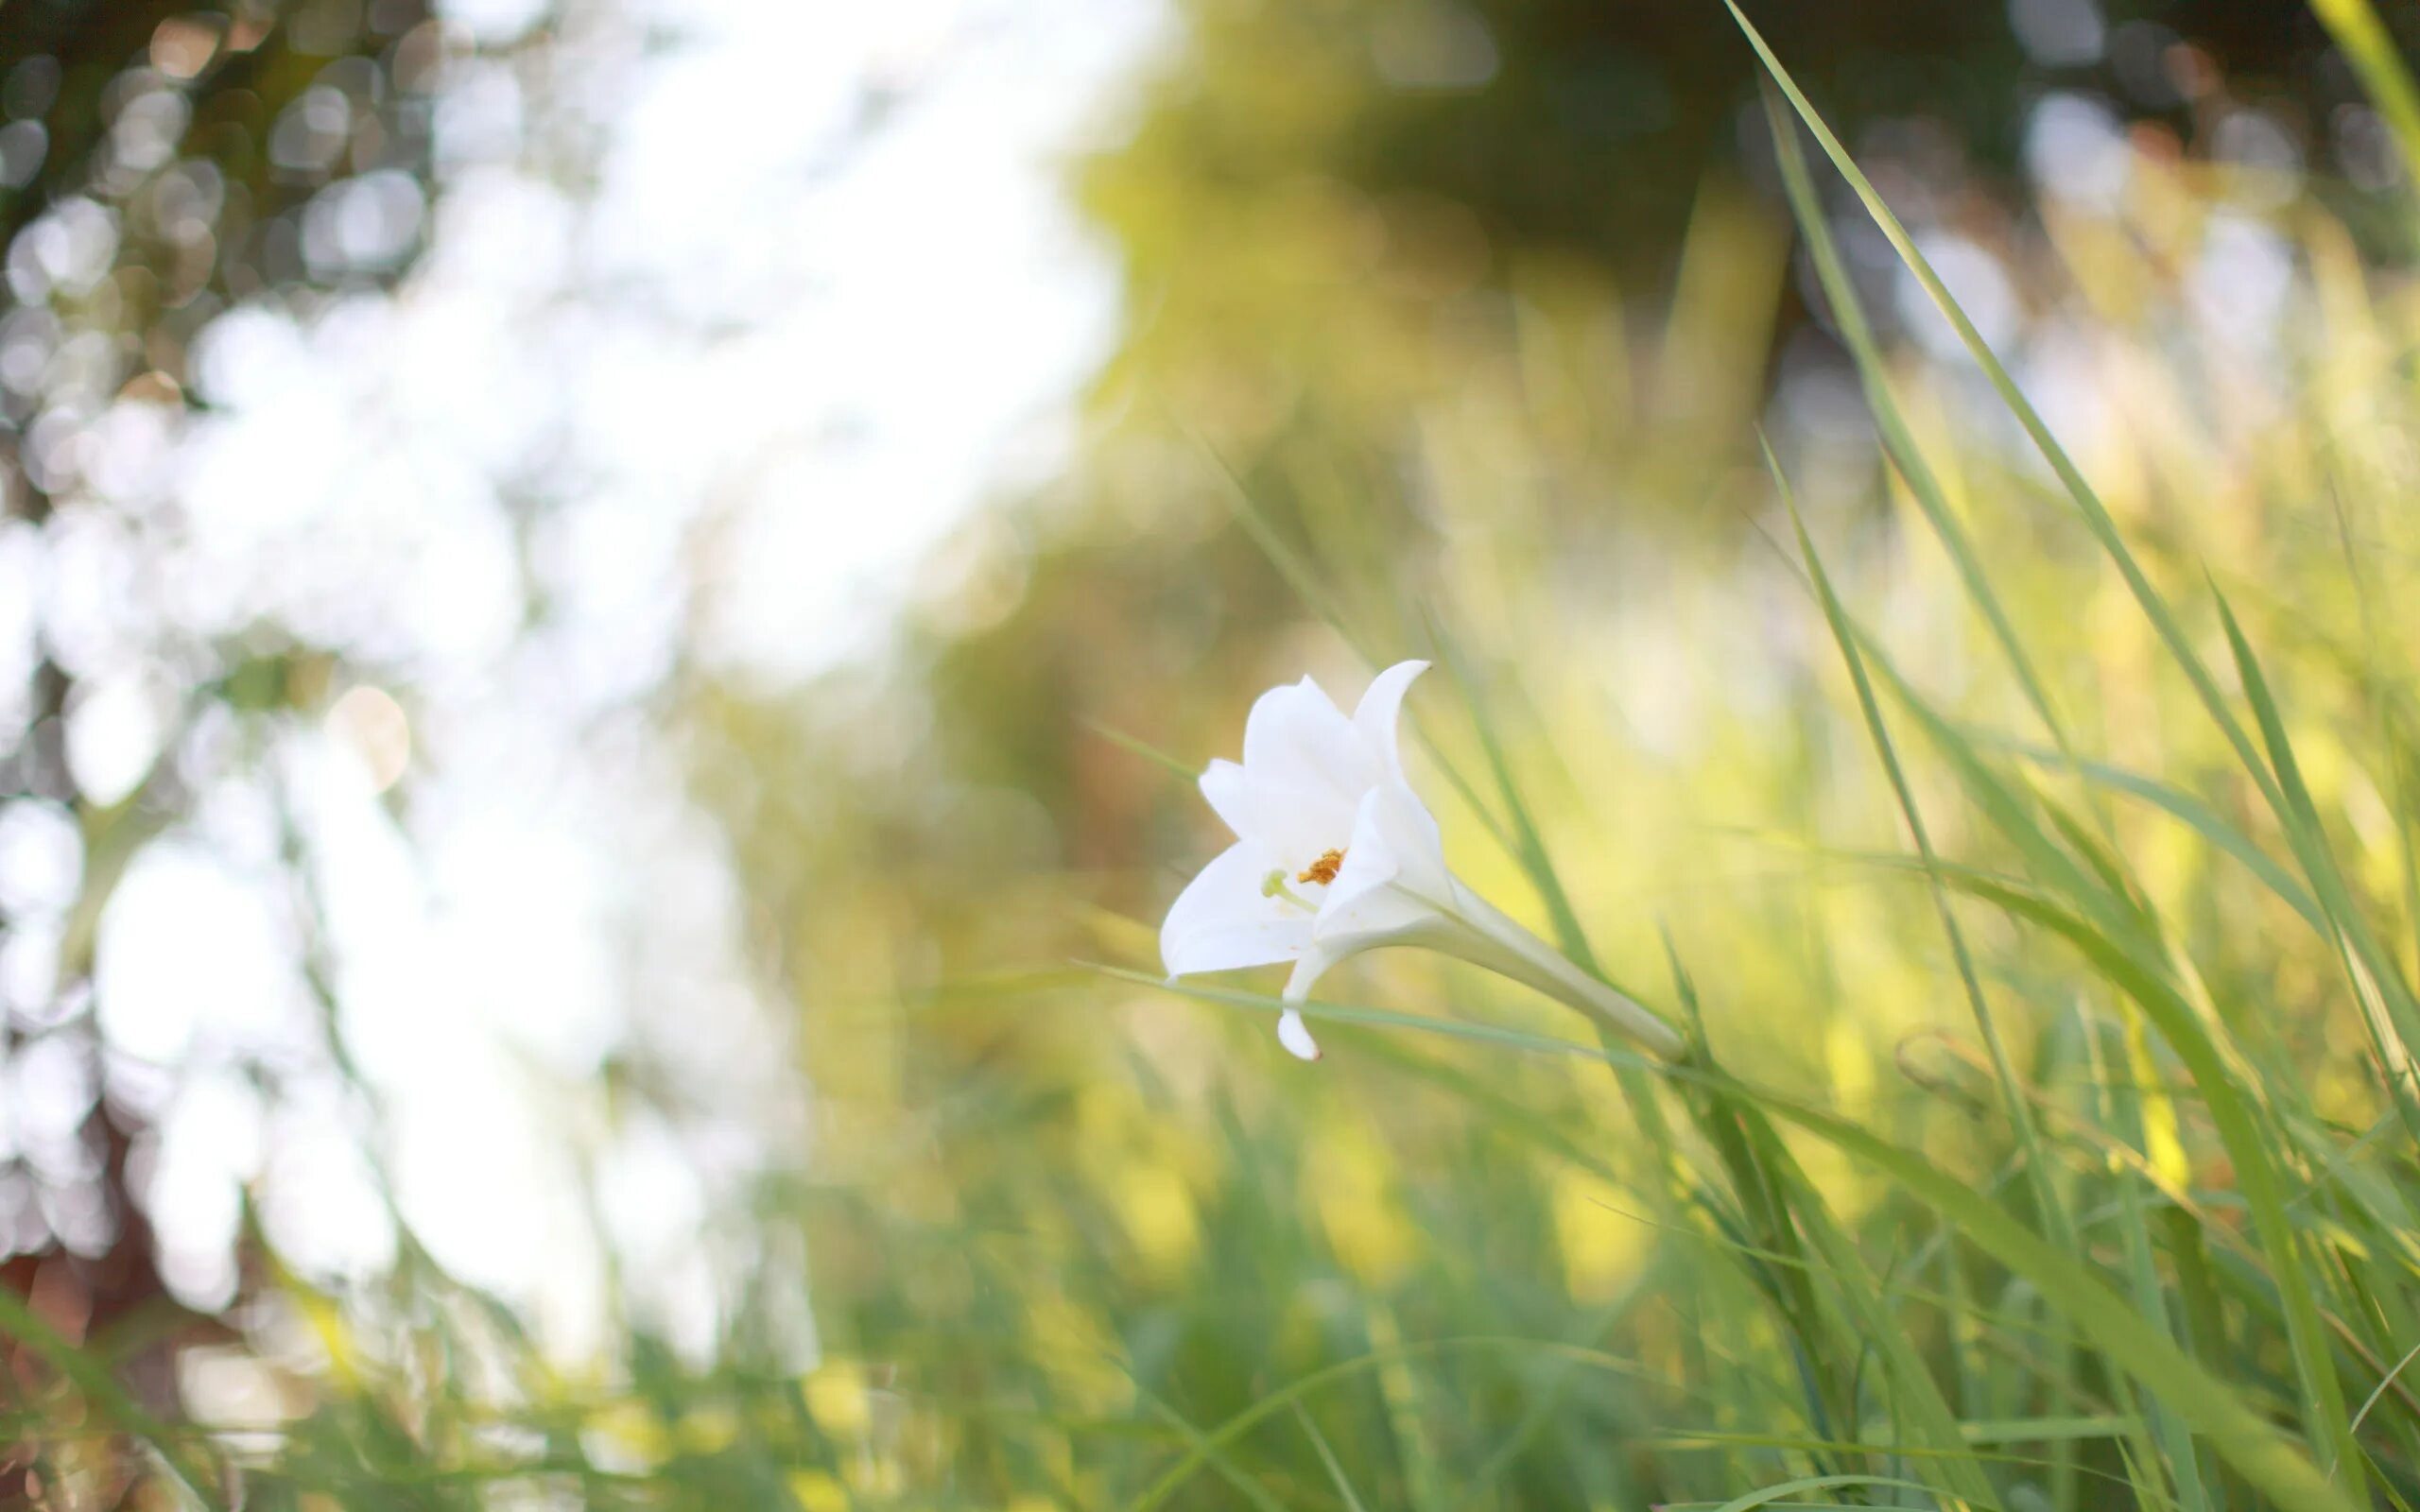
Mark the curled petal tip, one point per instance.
(1381, 707)
(1296, 1037)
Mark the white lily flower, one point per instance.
(1334, 854)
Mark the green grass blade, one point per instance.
(1772, 1494)
(2376, 973)
(1295, 570)
(2384, 1381)
(2259, 1453)
(1527, 842)
(1386, 1019)
(2185, 809)
(1149, 752)
(2325, 1420)
(1921, 1412)
(1211, 1455)
(1898, 440)
(2095, 515)
(2240, 1129)
(1327, 1458)
(92, 1378)
(1529, 845)
(2365, 43)
(1284, 1396)
(2391, 712)
(2177, 1453)
(2021, 1114)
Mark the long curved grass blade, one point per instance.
(21, 1323)
(2259, 1453)
(2052, 1212)
(2377, 970)
(2384, 1381)
(1898, 440)
(1772, 1494)
(1327, 1459)
(2177, 1457)
(1233, 1475)
(1528, 842)
(1134, 747)
(2239, 1129)
(1921, 1412)
(1286, 1395)
(1386, 1019)
(2367, 46)
(1295, 570)
(2185, 809)
(2102, 525)
(2326, 1419)
(2376, 978)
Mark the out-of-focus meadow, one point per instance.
(607, 613)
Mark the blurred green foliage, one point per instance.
(1478, 372)
(1454, 431)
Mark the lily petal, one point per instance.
(1297, 740)
(1294, 824)
(1393, 876)
(1296, 1035)
(1313, 963)
(1222, 920)
(1224, 784)
(1320, 955)
(1376, 717)
(1418, 845)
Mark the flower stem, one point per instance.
(1505, 948)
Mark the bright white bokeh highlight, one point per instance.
(818, 293)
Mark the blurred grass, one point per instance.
(2032, 841)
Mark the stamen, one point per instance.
(1323, 870)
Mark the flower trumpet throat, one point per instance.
(1316, 783)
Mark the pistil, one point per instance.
(1274, 885)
